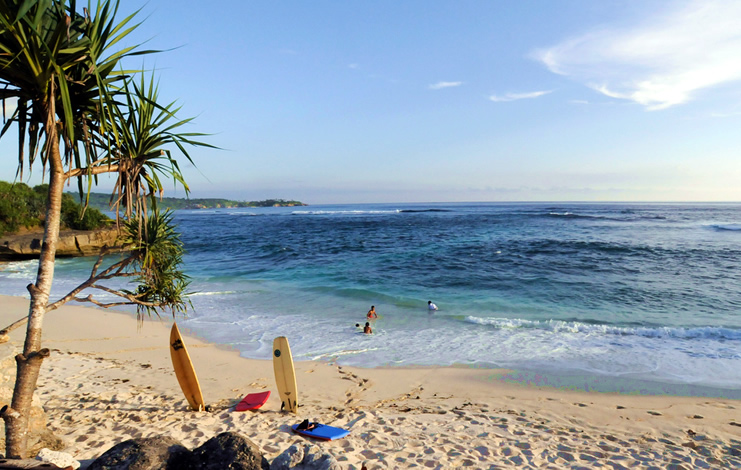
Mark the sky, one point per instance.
(446, 101)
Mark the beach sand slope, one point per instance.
(107, 381)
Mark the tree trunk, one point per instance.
(29, 363)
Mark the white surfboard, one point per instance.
(285, 374)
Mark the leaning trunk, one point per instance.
(29, 363)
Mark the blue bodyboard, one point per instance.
(322, 431)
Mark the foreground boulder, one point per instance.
(227, 451)
(149, 453)
(230, 450)
(29, 464)
(305, 457)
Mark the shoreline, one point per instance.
(106, 382)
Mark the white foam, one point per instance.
(19, 269)
(730, 227)
(577, 327)
(336, 354)
(227, 292)
(345, 212)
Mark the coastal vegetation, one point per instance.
(102, 202)
(79, 114)
(23, 207)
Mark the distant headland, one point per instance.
(22, 220)
(101, 201)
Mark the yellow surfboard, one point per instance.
(285, 374)
(184, 370)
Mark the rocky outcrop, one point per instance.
(71, 243)
(29, 464)
(149, 453)
(228, 450)
(305, 457)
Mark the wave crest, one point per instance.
(227, 292)
(727, 227)
(346, 212)
(703, 332)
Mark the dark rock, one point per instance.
(150, 453)
(231, 451)
(305, 457)
(28, 464)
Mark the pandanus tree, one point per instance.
(79, 115)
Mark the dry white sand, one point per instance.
(106, 382)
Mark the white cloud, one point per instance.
(518, 96)
(662, 61)
(441, 85)
(353, 66)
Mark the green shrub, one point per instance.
(21, 206)
(90, 220)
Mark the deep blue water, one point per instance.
(638, 291)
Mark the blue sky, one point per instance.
(426, 101)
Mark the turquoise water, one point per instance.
(619, 291)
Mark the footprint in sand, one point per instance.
(654, 413)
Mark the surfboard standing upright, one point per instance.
(285, 374)
(184, 370)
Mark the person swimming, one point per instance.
(367, 330)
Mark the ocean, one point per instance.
(579, 295)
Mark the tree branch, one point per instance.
(90, 282)
(90, 299)
(91, 170)
(133, 300)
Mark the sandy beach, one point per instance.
(108, 381)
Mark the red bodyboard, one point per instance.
(252, 401)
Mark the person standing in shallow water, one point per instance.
(431, 306)
(372, 313)
(367, 330)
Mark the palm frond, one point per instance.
(145, 130)
(158, 257)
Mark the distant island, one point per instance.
(100, 201)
